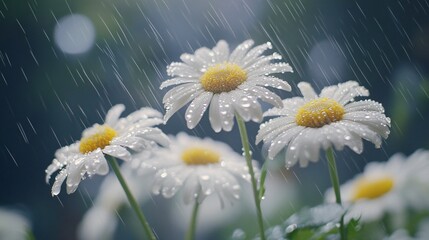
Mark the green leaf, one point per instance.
(315, 217)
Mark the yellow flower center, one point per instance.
(200, 156)
(319, 112)
(372, 188)
(99, 139)
(223, 77)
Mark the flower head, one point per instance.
(311, 122)
(116, 137)
(387, 187)
(227, 82)
(201, 167)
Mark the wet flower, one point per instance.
(307, 124)
(201, 167)
(117, 137)
(379, 189)
(101, 220)
(227, 82)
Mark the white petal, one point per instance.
(177, 103)
(265, 95)
(113, 114)
(282, 140)
(226, 112)
(96, 163)
(271, 68)
(347, 91)
(257, 51)
(206, 55)
(246, 106)
(75, 171)
(59, 179)
(364, 105)
(363, 131)
(240, 51)
(268, 81)
(196, 109)
(177, 81)
(182, 70)
(273, 127)
(53, 167)
(307, 91)
(193, 61)
(117, 152)
(221, 51)
(214, 114)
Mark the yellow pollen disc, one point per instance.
(319, 112)
(371, 189)
(223, 77)
(100, 139)
(200, 156)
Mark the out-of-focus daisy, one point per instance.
(332, 118)
(101, 220)
(378, 190)
(227, 82)
(14, 226)
(117, 137)
(201, 167)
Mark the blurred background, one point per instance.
(63, 64)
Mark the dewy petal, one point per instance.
(257, 51)
(113, 114)
(364, 105)
(307, 91)
(214, 114)
(206, 55)
(117, 152)
(182, 70)
(283, 140)
(192, 61)
(347, 91)
(197, 108)
(240, 51)
(59, 179)
(175, 105)
(221, 51)
(226, 112)
(268, 81)
(247, 107)
(264, 94)
(271, 68)
(177, 81)
(95, 163)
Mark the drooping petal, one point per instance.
(117, 152)
(197, 108)
(113, 114)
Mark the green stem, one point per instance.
(333, 172)
(248, 156)
(115, 166)
(190, 235)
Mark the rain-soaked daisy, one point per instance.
(307, 124)
(387, 187)
(116, 137)
(200, 167)
(226, 83)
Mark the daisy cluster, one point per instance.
(230, 86)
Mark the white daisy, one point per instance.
(229, 82)
(116, 137)
(332, 118)
(378, 190)
(201, 167)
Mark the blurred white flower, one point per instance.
(228, 82)
(201, 167)
(307, 124)
(13, 226)
(100, 221)
(387, 187)
(116, 137)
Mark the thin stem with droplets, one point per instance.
(333, 172)
(115, 166)
(248, 156)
